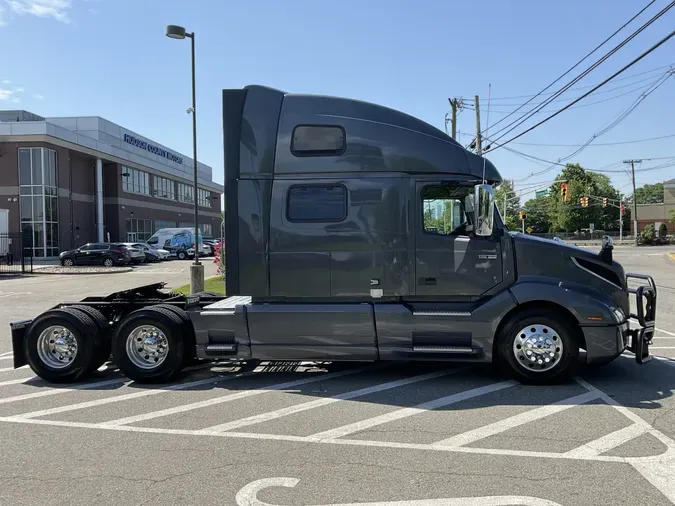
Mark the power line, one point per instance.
(644, 54)
(577, 64)
(635, 141)
(596, 102)
(650, 79)
(591, 85)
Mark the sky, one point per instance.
(110, 58)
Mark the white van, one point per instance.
(179, 242)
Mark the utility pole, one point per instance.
(635, 219)
(620, 218)
(479, 139)
(454, 104)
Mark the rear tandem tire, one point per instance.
(139, 366)
(82, 329)
(102, 343)
(538, 333)
(188, 333)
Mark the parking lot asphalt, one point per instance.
(404, 435)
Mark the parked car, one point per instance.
(99, 253)
(210, 245)
(152, 254)
(137, 254)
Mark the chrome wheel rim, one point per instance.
(57, 347)
(107, 262)
(68, 262)
(147, 347)
(538, 348)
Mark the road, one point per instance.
(367, 434)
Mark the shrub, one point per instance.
(648, 235)
(219, 257)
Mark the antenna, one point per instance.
(487, 124)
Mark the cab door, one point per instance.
(450, 262)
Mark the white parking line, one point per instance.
(125, 397)
(248, 496)
(56, 391)
(290, 410)
(16, 381)
(515, 421)
(662, 347)
(6, 353)
(230, 397)
(352, 428)
(7, 358)
(8, 369)
(609, 441)
(311, 439)
(658, 470)
(665, 332)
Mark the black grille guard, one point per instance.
(645, 301)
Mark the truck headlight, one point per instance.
(619, 315)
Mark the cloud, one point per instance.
(2, 17)
(56, 9)
(37, 96)
(6, 81)
(19, 90)
(8, 96)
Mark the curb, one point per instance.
(41, 272)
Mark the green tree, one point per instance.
(538, 214)
(570, 216)
(650, 194)
(509, 204)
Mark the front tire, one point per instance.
(538, 346)
(149, 346)
(68, 262)
(108, 262)
(181, 255)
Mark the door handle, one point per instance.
(429, 281)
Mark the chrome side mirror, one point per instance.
(484, 209)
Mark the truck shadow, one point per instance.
(645, 387)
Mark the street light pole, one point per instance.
(196, 269)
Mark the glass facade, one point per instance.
(138, 229)
(160, 224)
(39, 201)
(186, 193)
(164, 188)
(135, 181)
(203, 197)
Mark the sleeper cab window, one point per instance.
(444, 209)
(318, 140)
(317, 203)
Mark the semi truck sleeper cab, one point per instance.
(355, 232)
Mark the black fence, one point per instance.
(14, 258)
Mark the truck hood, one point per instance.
(567, 264)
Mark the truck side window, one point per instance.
(318, 140)
(317, 203)
(446, 209)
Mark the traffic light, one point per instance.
(563, 191)
(623, 208)
(584, 201)
(522, 215)
(604, 202)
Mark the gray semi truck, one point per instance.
(355, 232)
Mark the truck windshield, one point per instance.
(448, 210)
